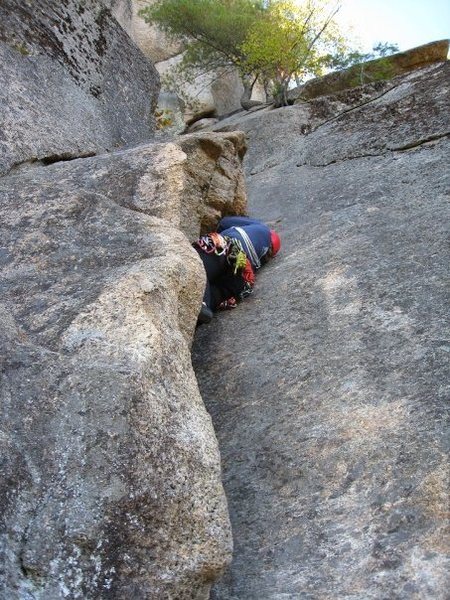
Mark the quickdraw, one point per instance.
(236, 256)
(224, 245)
(212, 243)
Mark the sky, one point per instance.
(408, 23)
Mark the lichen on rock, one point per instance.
(100, 91)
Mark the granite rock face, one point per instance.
(72, 83)
(327, 388)
(387, 106)
(154, 44)
(213, 173)
(111, 482)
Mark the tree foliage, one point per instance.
(212, 29)
(291, 42)
(275, 41)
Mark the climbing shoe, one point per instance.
(205, 315)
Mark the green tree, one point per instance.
(291, 42)
(219, 27)
(212, 31)
(275, 41)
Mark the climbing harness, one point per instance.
(248, 276)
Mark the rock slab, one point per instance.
(328, 387)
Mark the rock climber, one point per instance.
(231, 255)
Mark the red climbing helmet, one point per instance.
(275, 241)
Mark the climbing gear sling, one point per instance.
(224, 245)
(251, 252)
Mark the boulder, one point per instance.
(99, 92)
(169, 115)
(211, 94)
(227, 90)
(373, 70)
(328, 386)
(154, 44)
(110, 480)
(213, 173)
